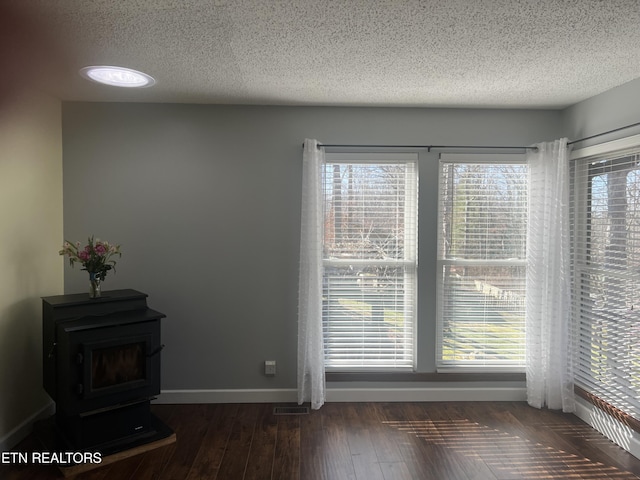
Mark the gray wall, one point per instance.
(610, 110)
(205, 201)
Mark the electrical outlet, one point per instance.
(270, 367)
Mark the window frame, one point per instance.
(453, 367)
(409, 262)
(583, 173)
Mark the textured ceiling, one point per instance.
(450, 53)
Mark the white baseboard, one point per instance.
(346, 395)
(611, 428)
(227, 396)
(19, 433)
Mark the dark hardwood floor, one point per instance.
(365, 441)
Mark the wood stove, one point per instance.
(101, 365)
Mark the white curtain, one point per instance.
(549, 352)
(311, 377)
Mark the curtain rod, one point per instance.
(428, 147)
(604, 133)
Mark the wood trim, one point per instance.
(422, 377)
(609, 409)
(606, 147)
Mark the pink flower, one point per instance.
(96, 256)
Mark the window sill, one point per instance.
(424, 377)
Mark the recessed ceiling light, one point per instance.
(117, 76)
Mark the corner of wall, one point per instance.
(30, 236)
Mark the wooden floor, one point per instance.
(365, 441)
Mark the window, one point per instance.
(605, 209)
(482, 232)
(370, 260)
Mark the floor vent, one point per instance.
(291, 410)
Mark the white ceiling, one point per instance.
(449, 53)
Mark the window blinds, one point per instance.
(370, 260)
(605, 209)
(482, 232)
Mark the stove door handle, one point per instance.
(156, 351)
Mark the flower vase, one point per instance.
(94, 285)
